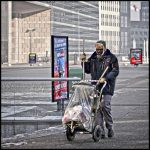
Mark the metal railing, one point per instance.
(13, 96)
(39, 79)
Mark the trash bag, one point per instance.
(80, 105)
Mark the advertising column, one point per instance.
(136, 56)
(60, 89)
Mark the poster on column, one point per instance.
(136, 56)
(59, 47)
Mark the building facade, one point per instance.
(124, 27)
(43, 19)
(4, 32)
(109, 24)
(18, 18)
(139, 26)
(144, 14)
(134, 25)
(79, 20)
(27, 27)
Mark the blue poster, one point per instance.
(60, 67)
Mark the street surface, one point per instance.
(130, 110)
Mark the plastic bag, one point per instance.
(80, 104)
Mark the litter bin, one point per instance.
(32, 58)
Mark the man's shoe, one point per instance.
(110, 133)
(103, 134)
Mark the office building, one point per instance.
(27, 26)
(79, 20)
(124, 27)
(109, 24)
(45, 18)
(139, 24)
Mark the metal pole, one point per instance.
(30, 43)
(60, 104)
(38, 79)
(30, 30)
(83, 74)
(134, 43)
(144, 50)
(18, 35)
(60, 101)
(78, 36)
(147, 50)
(30, 39)
(10, 32)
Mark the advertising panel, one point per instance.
(135, 8)
(136, 56)
(60, 89)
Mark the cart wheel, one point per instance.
(70, 135)
(96, 133)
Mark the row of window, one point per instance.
(124, 40)
(76, 23)
(139, 33)
(114, 9)
(145, 16)
(144, 19)
(110, 24)
(75, 46)
(123, 7)
(123, 21)
(111, 42)
(137, 39)
(110, 33)
(109, 16)
(86, 19)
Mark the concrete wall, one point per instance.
(4, 32)
(40, 38)
(15, 42)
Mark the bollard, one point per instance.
(75, 59)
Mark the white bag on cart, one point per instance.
(79, 106)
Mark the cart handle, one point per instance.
(103, 74)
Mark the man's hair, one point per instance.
(102, 42)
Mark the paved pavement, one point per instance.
(71, 64)
(131, 124)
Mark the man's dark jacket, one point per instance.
(96, 66)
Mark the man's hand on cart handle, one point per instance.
(83, 57)
(101, 80)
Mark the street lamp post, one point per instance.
(144, 51)
(78, 36)
(29, 31)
